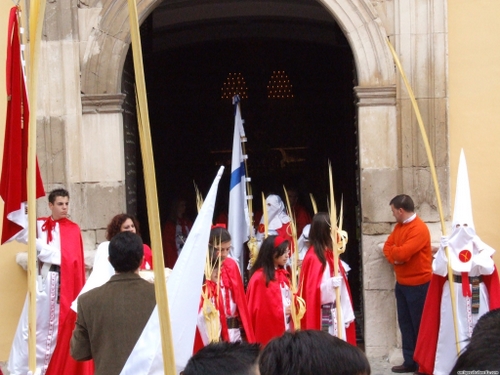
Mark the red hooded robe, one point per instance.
(311, 275)
(425, 350)
(231, 277)
(265, 305)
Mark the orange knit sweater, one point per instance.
(408, 248)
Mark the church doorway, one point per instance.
(290, 139)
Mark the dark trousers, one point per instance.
(410, 302)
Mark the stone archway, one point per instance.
(109, 40)
(101, 73)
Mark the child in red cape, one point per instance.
(318, 284)
(232, 291)
(268, 294)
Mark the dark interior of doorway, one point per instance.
(290, 141)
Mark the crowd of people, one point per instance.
(275, 324)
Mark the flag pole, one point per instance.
(36, 16)
(252, 242)
(239, 214)
(151, 193)
(435, 182)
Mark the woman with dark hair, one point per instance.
(102, 269)
(268, 294)
(124, 223)
(318, 284)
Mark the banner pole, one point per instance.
(151, 193)
(36, 16)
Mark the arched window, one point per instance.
(279, 86)
(234, 85)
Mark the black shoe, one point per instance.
(402, 369)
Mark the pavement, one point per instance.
(380, 366)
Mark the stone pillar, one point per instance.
(80, 137)
(379, 177)
(102, 181)
(392, 153)
(419, 35)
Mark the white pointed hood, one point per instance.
(462, 210)
(460, 243)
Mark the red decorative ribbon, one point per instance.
(278, 240)
(219, 225)
(48, 227)
(466, 285)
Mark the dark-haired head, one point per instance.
(272, 247)
(483, 350)
(115, 225)
(219, 242)
(320, 235)
(482, 354)
(126, 252)
(403, 201)
(57, 193)
(226, 358)
(312, 353)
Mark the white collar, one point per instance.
(410, 219)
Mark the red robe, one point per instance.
(231, 277)
(302, 218)
(72, 279)
(212, 292)
(311, 275)
(148, 257)
(168, 237)
(284, 231)
(265, 305)
(425, 350)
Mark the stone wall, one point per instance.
(80, 134)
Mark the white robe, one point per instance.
(47, 309)
(481, 263)
(102, 271)
(328, 295)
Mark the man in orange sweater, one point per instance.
(408, 248)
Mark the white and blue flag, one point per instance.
(238, 220)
